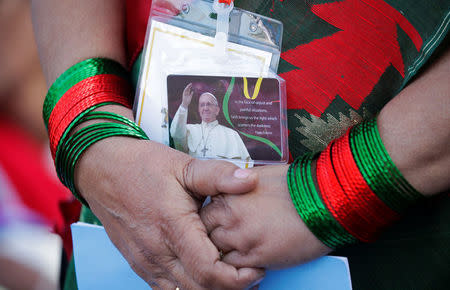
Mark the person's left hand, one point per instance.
(261, 228)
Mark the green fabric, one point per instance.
(134, 73)
(413, 254)
(87, 216)
(308, 133)
(71, 281)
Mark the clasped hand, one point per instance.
(261, 228)
(148, 197)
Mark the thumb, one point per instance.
(212, 177)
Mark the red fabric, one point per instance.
(21, 157)
(137, 12)
(70, 210)
(348, 63)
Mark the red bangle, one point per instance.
(376, 215)
(332, 193)
(85, 94)
(348, 196)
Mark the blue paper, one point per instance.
(99, 265)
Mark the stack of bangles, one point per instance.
(73, 100)
(361, 191)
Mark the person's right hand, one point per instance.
(147, 196)
(188, 92)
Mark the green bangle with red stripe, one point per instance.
(361, 190)
(85, 94)
(75, 74)
(73, 99)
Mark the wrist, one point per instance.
(426, 164)
(100, 163)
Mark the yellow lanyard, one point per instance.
(255, 91)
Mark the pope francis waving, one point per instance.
(208, 139)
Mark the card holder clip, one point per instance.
(222, 25)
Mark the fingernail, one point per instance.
(241, 173)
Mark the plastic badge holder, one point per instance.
(245, 28)
(190, 40)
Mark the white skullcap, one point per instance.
(214, 97)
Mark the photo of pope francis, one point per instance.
(208, 139)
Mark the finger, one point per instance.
(239, 259)
(222, 240)
(215, 214)
(200, 258)
(224, 230)
(211, 177)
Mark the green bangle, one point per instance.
(85, 145)
(78, 72)
(374, 136)
(72, 148)
(114, 117)
(377, 168)
(311, 208)
(73, 143)
(71, 160)
(77, 121)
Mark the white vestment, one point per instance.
(206, 140)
